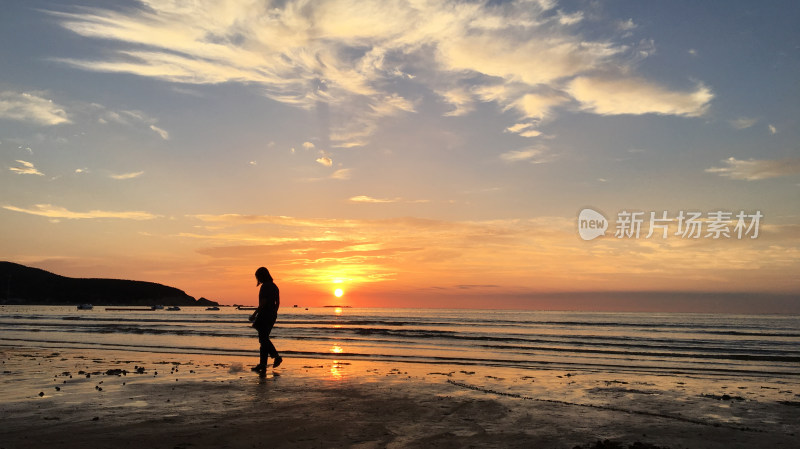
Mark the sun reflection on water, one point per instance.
(336, 372)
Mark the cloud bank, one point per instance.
(524, 254)
(368, 62)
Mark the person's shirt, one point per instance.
(269, 298)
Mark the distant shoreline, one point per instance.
(22, 285)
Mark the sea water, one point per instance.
(656, 343)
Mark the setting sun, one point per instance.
(338, 292)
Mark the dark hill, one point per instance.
(25, 285)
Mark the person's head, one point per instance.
(263, 276)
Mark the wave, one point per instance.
(385, 325)
(659, 343)
(435, 360)
(577, 343)
(717, 354)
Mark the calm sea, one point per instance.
(645, 342)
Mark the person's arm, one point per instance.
(260, 303)
(263, 299)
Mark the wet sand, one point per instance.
(79, 398)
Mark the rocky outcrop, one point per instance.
(25, 285)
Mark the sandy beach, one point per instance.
(79, 398)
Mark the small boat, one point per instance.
(245, 308)
(157, 307)
(212, 308)
(173, 308)
(85, 307)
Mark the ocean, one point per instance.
(652, 343)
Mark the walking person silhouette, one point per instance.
(264, 319)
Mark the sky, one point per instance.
(410, 153)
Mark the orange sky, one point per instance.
(423, 154)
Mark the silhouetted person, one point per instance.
(264, 318)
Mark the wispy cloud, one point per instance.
(538, 106)
(362, 251)
(26, 168)
(130, 118)
(392, 104)
(32, 108)
(352, 144)
(123, 176)
(626, 25)
(342, 174)
(242, 219)
(528, 56)
(755, 169)
(529, 253)
(518, 127)
(530, 133)
(534, 155)
(524, 130)
(325, 160)
(164, 135)
(56, 212)
(460, 99)
(369, 199)
(616, 96)
(570, 19)
(520, 155)
(772, 129)
(743, 122)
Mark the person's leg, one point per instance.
(262, 353)
(270, 348)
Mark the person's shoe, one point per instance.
(259, 368)
(278, 361)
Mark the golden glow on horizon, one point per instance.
(338, 310)
(336, 349)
